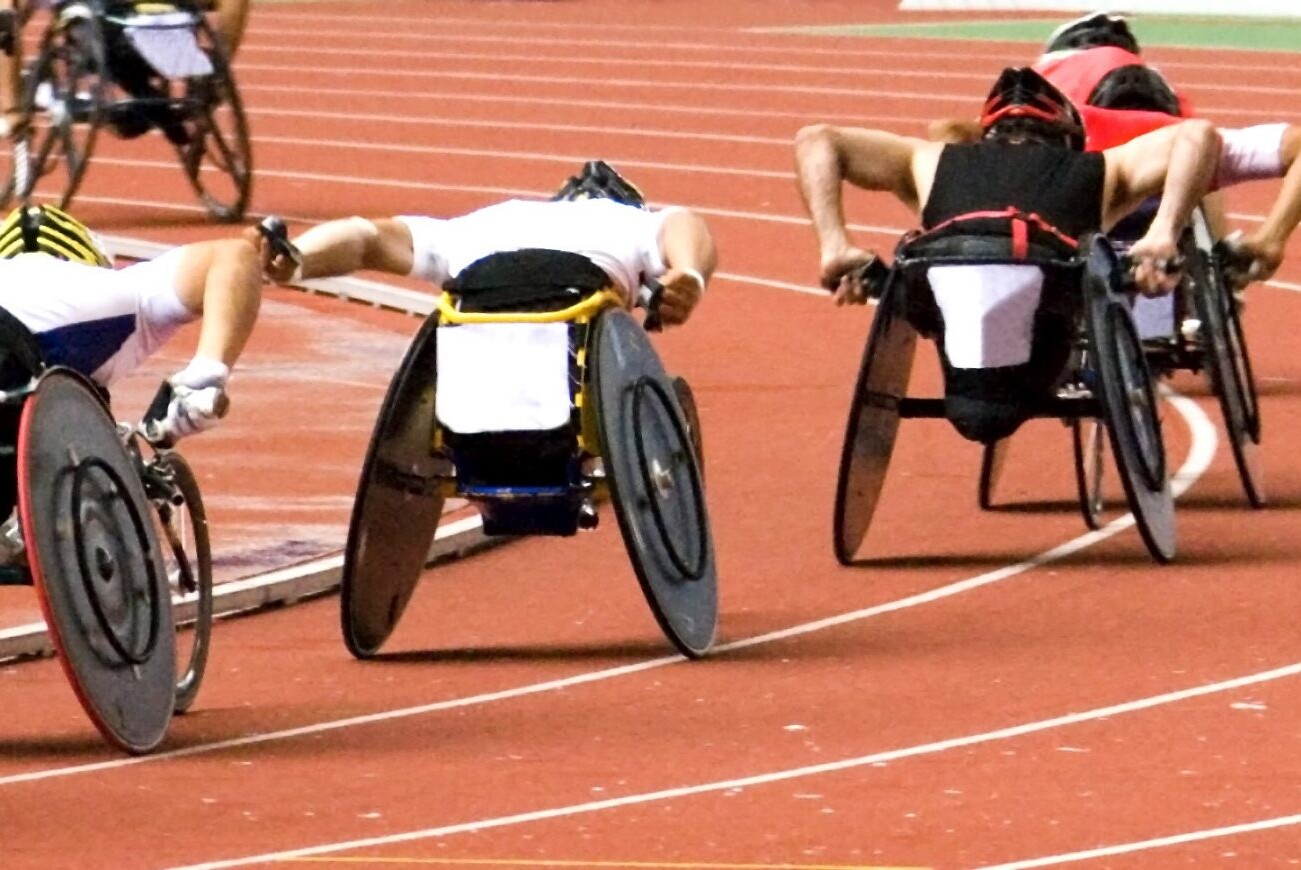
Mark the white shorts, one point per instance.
(101, 322)
(1250, 153)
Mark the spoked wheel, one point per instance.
(63, 105)
(187, 559)
(1088, 438)
(1129, 405)
(217, 157)
(873, 424)
(991, 470)
(1230, 368)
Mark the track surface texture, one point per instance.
(959, 700)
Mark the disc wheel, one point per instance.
(873, 425)
(187, 559)
(217, 158)
(1133, 422)
(396, 512)
(95, 561)
(63, 102)
(655, 483)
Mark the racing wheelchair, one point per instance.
(114, 540)
(1083, 361)
(129, 67)
(532, 393)
(1196, 328)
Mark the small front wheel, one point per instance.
(187, 556)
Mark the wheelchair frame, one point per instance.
(1218, 347)
(632, 442)
(71, 93)
(130, 690)
(1107, 378)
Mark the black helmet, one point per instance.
(44, 229)
(1024, 101)
(598, 180)
(1093, 30)
(1135, 87)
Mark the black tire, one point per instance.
(1227, 361)
(63, 106)
(873, 425)
(991, 470)
(1129, 406)
(1088, 438)
(187, 555)
(217, 158)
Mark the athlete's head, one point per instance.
(44, 229)
(1136, 87)
(598, 180)
(1024, 107)
(1091, 31)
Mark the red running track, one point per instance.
(935, 707)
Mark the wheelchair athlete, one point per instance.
(597, 213)
(1031, 162)
(130, 72)
(1096, 61)
(57, 283)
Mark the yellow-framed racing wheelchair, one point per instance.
(128, 67)
(113, 537)
(534, 394)
(1081, 360)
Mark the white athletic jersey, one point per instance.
(621, 239)
(101, 322)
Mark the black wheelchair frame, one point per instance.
(111, 528)
(1106, 378)
(85, 77)
(1217, 346)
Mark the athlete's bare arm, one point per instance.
(827, 156)
(341, 247)
(222, 281)
(1177, 162)
(1265, 245)
(690, 255)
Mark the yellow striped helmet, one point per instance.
(44, 229)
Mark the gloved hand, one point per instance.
(192, 400)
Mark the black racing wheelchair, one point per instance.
(1086, 362)
(1197, 328)
(609, 422)
(129, 67)
(114, 540)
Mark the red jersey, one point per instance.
(1077, 73)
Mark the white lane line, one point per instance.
(423, 120)
(783, 48)
(887, 756)
(605, 63)
(538, 156)
(405, 184)
(642, 108)
(1156, 843)
(800, 90)
(1203, 441)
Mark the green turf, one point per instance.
(1239, 33)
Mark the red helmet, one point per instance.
(1022, 99)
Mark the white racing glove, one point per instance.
(190, 401)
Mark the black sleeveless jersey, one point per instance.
(1061, 186)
